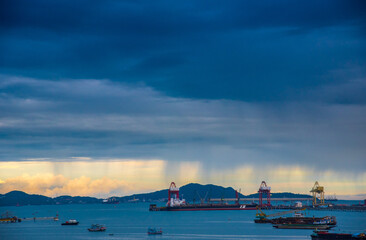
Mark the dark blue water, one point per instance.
(130, 221)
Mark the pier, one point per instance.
(41, 218)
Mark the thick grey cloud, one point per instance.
(103, 119)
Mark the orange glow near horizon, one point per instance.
(119, 177)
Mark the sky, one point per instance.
(102, 98)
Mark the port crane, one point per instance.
(317, 190)
(261, 215)
(264, 190)
(173, 194)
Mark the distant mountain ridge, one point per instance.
(192, 192)
(14, 198)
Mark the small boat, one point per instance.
(302, 226)
(154, 231)
(97, 228)
(70, 222)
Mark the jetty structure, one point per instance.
(176, 204)
(263, 201)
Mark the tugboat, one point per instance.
(70, 222)
(320, 235)
(97, 228)
(154, 231)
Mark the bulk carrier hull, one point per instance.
(204, 207)
(321, 235)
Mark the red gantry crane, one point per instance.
(173, 191)
(264, 190)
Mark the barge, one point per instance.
(321, 235)
(302, 226)
(329, 220)
(298, 218)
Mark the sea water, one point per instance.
(131, 221)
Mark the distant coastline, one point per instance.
(192, 192)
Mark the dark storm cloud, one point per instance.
(202, 49)
(166, 17)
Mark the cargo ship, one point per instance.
(176, 204)
(111, 200)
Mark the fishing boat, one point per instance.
(70, 222)
(320, 235)
(302, 226)
(7, 217)
(97, 228)
(154, 231)
(10, 220)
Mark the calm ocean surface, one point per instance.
(131, 220)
